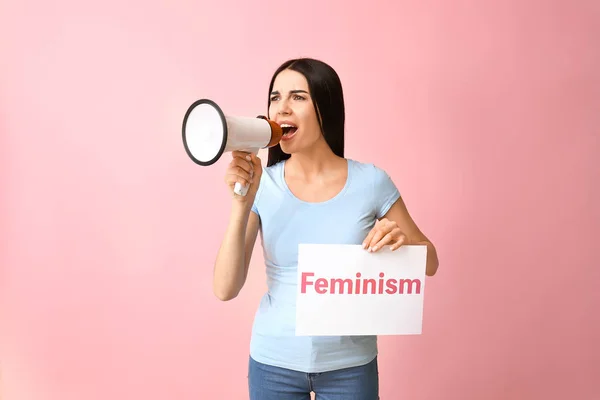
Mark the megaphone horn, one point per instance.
(208, 133)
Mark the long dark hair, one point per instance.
(326, 91)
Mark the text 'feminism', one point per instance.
(359, 285)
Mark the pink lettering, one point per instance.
(411, 283)
(321, 285)
(366, 284)
(338, 286)
(305, 282)
(360, 285)
(391, 286)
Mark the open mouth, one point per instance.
(288, 131)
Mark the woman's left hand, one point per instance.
(384, 233)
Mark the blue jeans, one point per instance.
(266, 382)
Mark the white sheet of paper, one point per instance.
(345, 290)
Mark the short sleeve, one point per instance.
(385, 192)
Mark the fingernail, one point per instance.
(248, 158)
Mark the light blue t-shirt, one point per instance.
(287, 221)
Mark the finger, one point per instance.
(256, 163)
(399, 242)
(255, 160)
(242, 172)
(368, 238)
(244, 163)
(387, 239)
(241, 163)
(237, 173)
(377, 237)
(233, 179)
(241, 154)
(371, 234)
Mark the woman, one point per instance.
(308, 193)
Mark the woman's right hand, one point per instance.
(245, 168)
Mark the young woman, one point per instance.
(308, 193)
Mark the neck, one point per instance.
(312, 163)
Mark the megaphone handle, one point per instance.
(241, 190)
(238, 188)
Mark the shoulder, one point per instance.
(271, 174)
(272, 170)
(270, 180)
(376, 181)
(369, 172)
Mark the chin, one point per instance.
(286, 149)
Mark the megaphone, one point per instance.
(208, 133)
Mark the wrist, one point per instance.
(240, 210)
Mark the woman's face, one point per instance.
(292, 108)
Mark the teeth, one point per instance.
(287, 126)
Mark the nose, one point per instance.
(284, 107)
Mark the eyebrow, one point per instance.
(291, 91)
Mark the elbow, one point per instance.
(224, 295)
(432, 262)
(225, 298)
(432, 267)
(431, 271)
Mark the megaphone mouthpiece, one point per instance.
(276, 131)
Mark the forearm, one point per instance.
(230, 265)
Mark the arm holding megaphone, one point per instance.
(235, 252)
(208, 133)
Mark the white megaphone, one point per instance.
(208, 133)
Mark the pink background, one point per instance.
(485, 113)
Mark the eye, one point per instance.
(299, 98)
(274, 98)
